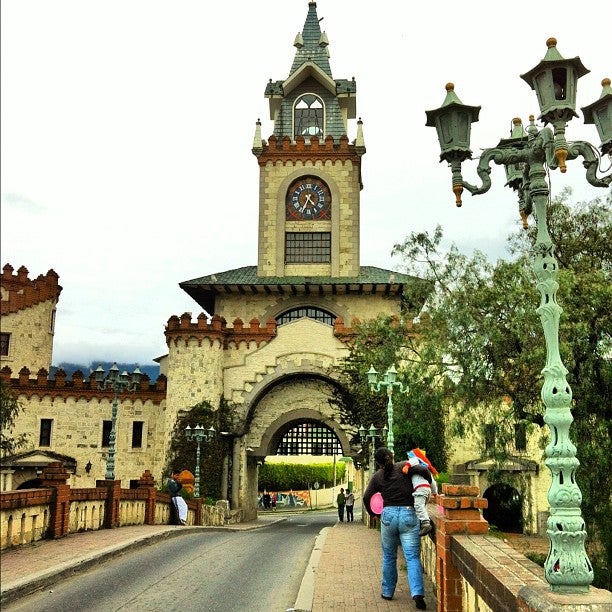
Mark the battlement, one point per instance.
(287, 150)
(77, 386)
(24, 292)
(217, 329)
(183, 328)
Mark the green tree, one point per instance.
(418, 414)
(482, 341)
(182, 452)
(9, 409)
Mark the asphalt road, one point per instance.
(255, 570)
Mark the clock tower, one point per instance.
(310, 175)
(274, 336)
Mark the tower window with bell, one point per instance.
(308, 116)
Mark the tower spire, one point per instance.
(311, 44)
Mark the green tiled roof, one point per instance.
(248, 276)
(244, 281)
(312, 50)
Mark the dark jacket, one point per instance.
(396, 490)
(174, 486)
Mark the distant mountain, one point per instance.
(152, 371)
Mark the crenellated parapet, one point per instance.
(286, 150)
(183, 329)
(23, 292)
(78, 386)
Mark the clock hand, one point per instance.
(309, 199)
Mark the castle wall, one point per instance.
(347, 306)
(31, 342)
(27, 313)
(77, 410)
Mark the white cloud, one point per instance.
(127, 128)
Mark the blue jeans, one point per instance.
(399, 525)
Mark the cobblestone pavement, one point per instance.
(344, 571)
(348, 575)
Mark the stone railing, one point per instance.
(56, 509)
(473, 571)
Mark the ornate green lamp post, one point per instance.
(368, 437)
(118, 383)
(526, 156)
(199, 434)
(388, 382)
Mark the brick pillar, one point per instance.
(460, 506)
(56, 477)
(113, 497)
(148, 482)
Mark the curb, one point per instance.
(305, 597)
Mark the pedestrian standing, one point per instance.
(350, 502)
(341, 502)
(174, 486)
(398, 523)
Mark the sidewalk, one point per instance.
(343, 572)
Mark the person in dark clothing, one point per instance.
(174, 486)
(398, 523)
(341, 501)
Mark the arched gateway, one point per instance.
(291, 314)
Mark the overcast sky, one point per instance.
(127, 128)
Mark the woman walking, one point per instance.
(398, 523)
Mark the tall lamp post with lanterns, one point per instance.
(119, 383)
(526, 156)
(388, 383)
(199, 434)
(368, 437)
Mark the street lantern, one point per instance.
(199, 434)
(118, 383)
(453, 122)
(368, 437)
(388, 383)
(600, 113)
(527, 161)
(554, 80)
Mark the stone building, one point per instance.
(27, 311)
(280, 328)
(270, 336)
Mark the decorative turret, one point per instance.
(310, 102)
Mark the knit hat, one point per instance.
(417, 457)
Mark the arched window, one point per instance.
(308, 116)
(318, 314)
(309, 438)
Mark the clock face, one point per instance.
(308, 198)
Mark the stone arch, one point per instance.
(270, 437)
(310, 365)
(504, 509)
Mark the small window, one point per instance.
(308, 247)
(318, 314)
(5, 342)
(106, 432)
(137, 427)
(520, 436)
(46, 426)
(308, 116)
(52, 328)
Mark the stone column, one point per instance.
(461, 506)
(147, 482)
(56, 477)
